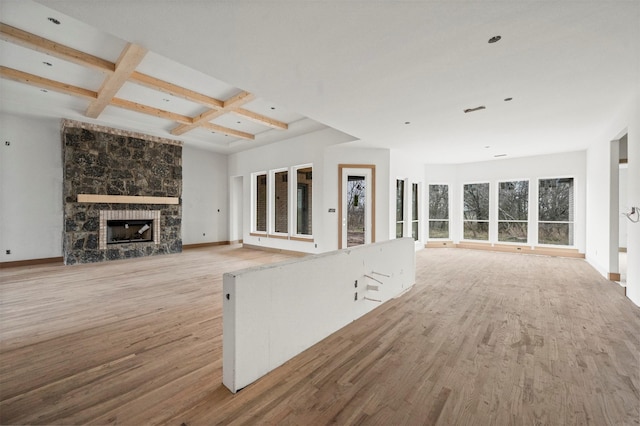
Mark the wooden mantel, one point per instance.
(126, 199)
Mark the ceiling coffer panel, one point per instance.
(128, 83)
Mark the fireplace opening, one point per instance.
(129, 231)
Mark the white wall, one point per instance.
(633, 198)
(205, 209)
(603, 202)
(31, 218)
(343, 154)
(571, 164)
(317, 148)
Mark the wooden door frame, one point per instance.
(371, 167)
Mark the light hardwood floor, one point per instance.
(483, 338)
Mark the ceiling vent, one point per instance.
(474, 109)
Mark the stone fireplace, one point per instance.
(121, 194)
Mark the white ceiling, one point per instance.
(367, 67)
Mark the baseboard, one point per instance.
(275, 250)
(234, 242)
(440, 244)
(509, 248)
(200, 245)
(31, 262)
(613, 276)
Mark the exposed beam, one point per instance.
(45, 83)
(144, 109)
(227, 131)
(175, 90)
(40, 44)
(229, 105)
(261, 119)
(129, 59)
(238, 100)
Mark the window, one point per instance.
(415, 217)
(438, 211)
(281, 202)
(513, 211)
(476, 211)
(261, 202)
(304, 192)
(399, 208)
(555, 211)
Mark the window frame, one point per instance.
(293, 226)
(448, 220)
(271, 205)
(528, 210)
(403, 209)
(572, 223)
(487, 221)
(417, 207)
(254, 203)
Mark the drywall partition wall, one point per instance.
(204, 196)
(305, 149)
(30, 188)
(272, 313)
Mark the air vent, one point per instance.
(474, 109)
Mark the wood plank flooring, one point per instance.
(483, 338)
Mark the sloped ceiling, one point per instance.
(369, 68)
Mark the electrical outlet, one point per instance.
(8, 251)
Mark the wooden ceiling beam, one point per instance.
(260, 119)
(227, 131)
(129, 59)
(238, 100)
(42, 45)
(228, 106)
(45, 83)
(175, 90)
(145, 109)
(121, 72)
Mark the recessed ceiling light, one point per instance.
(238, 122)
(487, 146)
(495, 39)
(474, 109)
(213, 133)
(49, 64)
(407, 122)
(508, 99)
(54, 20)
(499, 155)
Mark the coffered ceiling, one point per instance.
(394, 74)
(53, 65)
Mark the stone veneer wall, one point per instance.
(103, 161)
